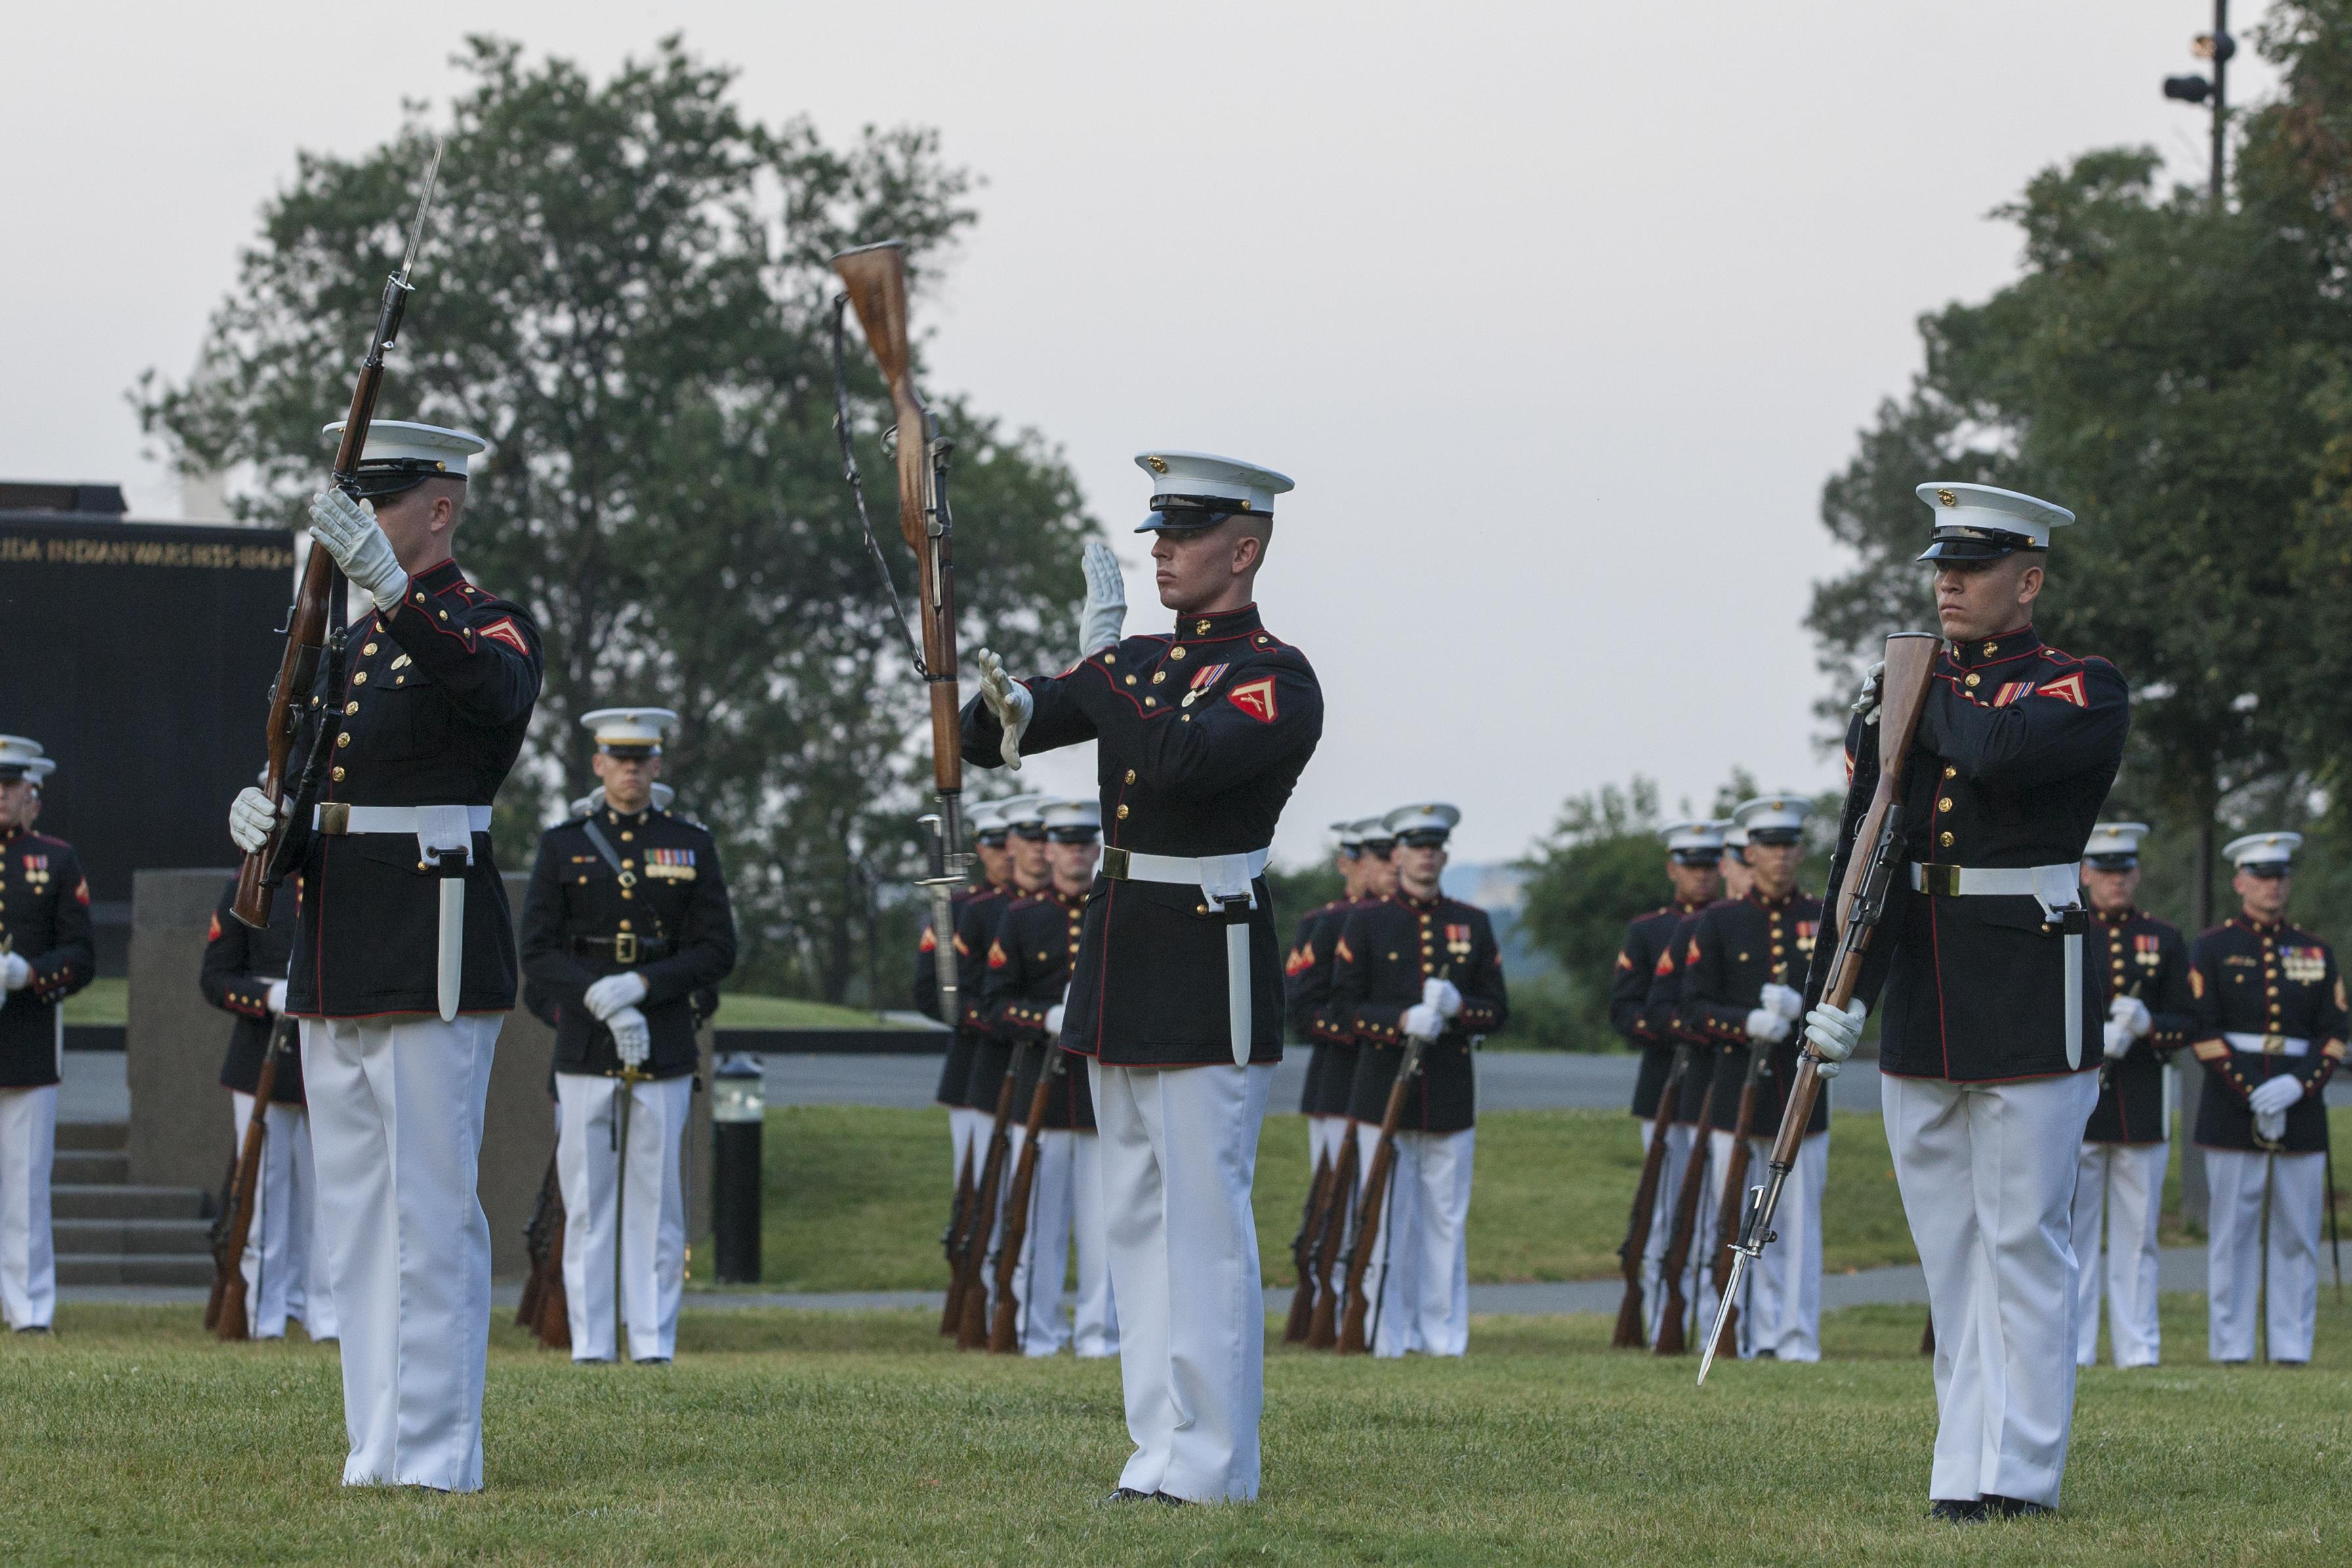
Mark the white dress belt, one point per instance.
(2057, 888)
(1224, 881)
(391, 819)
(2288, 1045)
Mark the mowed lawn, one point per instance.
(778, 1437)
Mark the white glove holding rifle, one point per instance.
(15, 975)
(1767, 1025)
(1443, 996)
(1785, 1000)
(1104, 612)
(1008, 700)
(251, 815)
(1866, 701)
(1423, 1022)
(1834, 1035)
(2132, 1015)
(2115, 1040)
(276, 1000)
(614, 992)
(631, 1037)
(349, 530)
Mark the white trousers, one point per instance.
(1420, 1264)
(1179, 1154)
(2123, 1185)
(1679, 1139)
(396, 1107)
(285, 1275)
(28, 1259)
(1325, 1136)
(1097, 1334)
(967, 1134)
(2238, 1264)
(1987, 1173)
(1780, 1310)
(1045, 1260)
(653, 1249)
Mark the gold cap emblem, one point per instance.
(1948, 498)
(1158, 466)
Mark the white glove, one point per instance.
(251, 815)
(1104, 612)
(2271, 1097)
(1866, 700)
(1834, 1034)
(1781, 999)
(2270, 1126)
(1441, 995)
(1008, 700)
(631, 1037)
(276, 1001)
(1054, 1022)
(19, 972)
(2118, 1038)
(614, 992)
(351, 535)
(2132, 1014)
(1423, 1022)
(1765, 1024)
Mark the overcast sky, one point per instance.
(1560, 314)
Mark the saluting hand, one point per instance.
(349, 530)
(1008, 700)
(1104, 612)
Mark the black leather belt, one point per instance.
(624, 947)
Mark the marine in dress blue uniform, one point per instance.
(1367, 875)
(1990, 1035)
(966, 1121)
(1201, 734)
(285, 1262)
(1420, 964)
(46, 955)
(2142, 966)
(626, 924)
(404, 965)
(2270, 1033)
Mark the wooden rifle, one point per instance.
(314, 630)
(1632, 1320)
(1376, 1188)
(1302, 1252)
(1005, 1328)
(225, 1309)
(1735, 1182)
(873, 279)
(968, 1292)
(1873, 861)
(545, 1308)
(1323, 1326)
(1673, 1307)
(951, 1238)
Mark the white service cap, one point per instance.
(2263, 851)
(1349, 836)
(1024, 811)
(1073, 821)
(2115, 845)
(1434, 821)
(1773, 818)
(402, 454)
(1982, 523)
(1199, 490)
(19, 756)
(629, 732)
(985, 819)
(1692, 843)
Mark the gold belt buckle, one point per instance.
(624, 947)
(1114, 863)
(2273, 1045)
(334, 818)
(1940, 882)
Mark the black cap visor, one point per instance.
(1190, 514)
(1975, 544)
(994, 838)
(2266, 869)
(1072, 835)
(1380, 846)
(1706, 855)
(2111, 862)
(399, 476)
(1775, 836)
(1422, 837)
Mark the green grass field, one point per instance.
(782, 1437)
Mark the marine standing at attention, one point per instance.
(1201, 735)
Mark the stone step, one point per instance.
(103, 1137)
(143, 1269)
(131, 1237)
(84, 1167)
(128, 1202)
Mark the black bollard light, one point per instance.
(739, 1108)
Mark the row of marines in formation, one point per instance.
(1701, 990)
(1393, 959)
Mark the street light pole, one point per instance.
(2217, 47)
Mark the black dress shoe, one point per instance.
(1957, 1510)
(1129, 1494)
(1997, 1506)
(35, 1329)
(1170, 1499)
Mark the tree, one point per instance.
(625, 286)
(1599, 867)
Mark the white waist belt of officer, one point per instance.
(1225, 882)
(445, 840)
(2057, 888)
(2268, 1045)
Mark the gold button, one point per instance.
(1201, 627)
(1131, 775)
(400, 681)
(350, 708)
(1974, 679)
(445, 616)
(424, 865)
(626, 894)
(1176, 652)
(370, 649)
(339, 776)
(1776, 950)
(420, 597)
(1122, 814)
(626, 836)
(624, 925)
(1392, 955)
(1945, 804)
(1158, 676)
(628, 865)
(1945, 839)
(360, 678)
(1110, 658)
(1951, 772)
(1200, 909)
(1151, 702)
(584, 881)
(1130, 680)
(344, 738)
